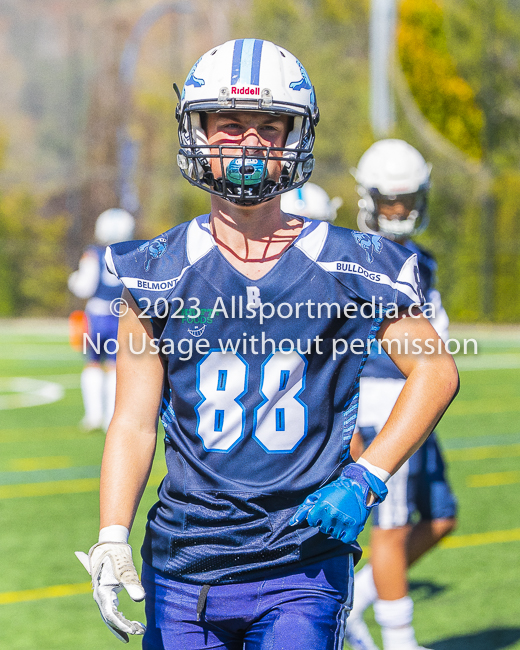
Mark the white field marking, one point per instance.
(68, 381)
(44, 434)
(20, 392)
(43, 352)
(495, 440)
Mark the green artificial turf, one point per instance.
(465, 597)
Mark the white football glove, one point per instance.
(111, 567)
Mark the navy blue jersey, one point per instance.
(258, 410)
(108, 288)
(379, 363)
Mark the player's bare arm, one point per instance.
(131, 437)
(127, 460)
(432, 382)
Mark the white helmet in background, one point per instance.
(114, 225)
(392, 170)
(249, 75)
(311, 201)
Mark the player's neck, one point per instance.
(252, 239)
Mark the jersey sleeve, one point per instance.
(434, 308)
(149, 270)
(375, 269)
(439, 318)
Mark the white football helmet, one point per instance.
(311, 201)
(392, 170)
(250, 75)
(114, 225)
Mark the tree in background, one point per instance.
(460, 84)
(506, 240)
(485, 39)
(33, 275)
(461, 64)
(444, 97)
(447, 103)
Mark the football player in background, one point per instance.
(93, 282)
(252, 542)
(311, 201)
(393, 182)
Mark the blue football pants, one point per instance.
(305, 609)
(106, 326)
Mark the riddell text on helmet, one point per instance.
(245, 90)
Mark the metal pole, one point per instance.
(382, 47)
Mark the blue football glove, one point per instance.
(340, 509)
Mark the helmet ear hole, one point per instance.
(197, 129)
(293, 137)
(290, 127)
(366, 201)
(203, 122)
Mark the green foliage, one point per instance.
(445, 98)
(506, 192)
(33, 275)
(278, 12)
(167, 197)
(461, 59)
(343, 11)
(453, 237)
(484, 39)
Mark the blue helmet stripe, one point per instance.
(235, 65)
(245, 66)
(246, 62)
(257, 58)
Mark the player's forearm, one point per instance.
(131, 437)
(127, 461)
(427, 393)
